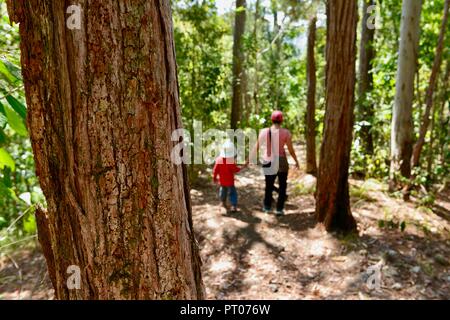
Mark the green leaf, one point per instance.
(6, 74)
(2, 135)
(10, 72)
(7, 177)
(3, 119)
(6, 160)
(15, 121)
(4, 190)
(13, 69)
(29, 224)
(17, 106)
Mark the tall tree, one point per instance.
(444, 123)
(256, 67)
(276, 56)
(102, 105)
(366, 56)
(332, 196)
(238, 63)
(311, 166)
(402, 122)
(431, 88)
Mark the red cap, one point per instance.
(277, 116)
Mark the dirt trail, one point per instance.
(252, 255)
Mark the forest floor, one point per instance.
(253, 255)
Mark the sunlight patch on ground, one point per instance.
(223, 264)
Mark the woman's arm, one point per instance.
(292, 152)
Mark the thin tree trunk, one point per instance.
(332, 197)
(247, 99)
(256, 76)
(102, 104)
(276, 57)
(402, 122)
(311, 166)
(431, 88)
(366, 56)
(434, 112)
(445, 121)
(431, 146)
(238, 63)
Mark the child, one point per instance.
(225, 167)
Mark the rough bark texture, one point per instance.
(402, 122)
(102, 104)
(311, 166)
(238, 63)
(332, 197)
(431, 88)
(366, 56)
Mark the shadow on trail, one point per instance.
(237, 242)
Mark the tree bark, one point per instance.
(238, 63)
(311, 166)
(102, 104)
(256, 75)
(402, 122)
(444, 123)
(366, 56)
(332, 197)
(431, 88)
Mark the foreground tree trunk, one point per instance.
(311, 166)
(366, 56)
(102, 104)
(431, 88)
(402, 122)
(332, 197)
(238, 63)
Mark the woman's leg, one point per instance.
(282, 181)
(270, 182)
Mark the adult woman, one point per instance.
(275, 163)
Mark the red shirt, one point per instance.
(225, 169)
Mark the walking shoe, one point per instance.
(280, 213)
(267, 210)
(234, 209)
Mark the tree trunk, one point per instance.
(275, 50)
(430, 91)
(332, 197)
(238, 62)
(366, 56)
(402, 122)
(444, 120)
(311, 166)
(431, 146)
(102, 105)
(256, 75)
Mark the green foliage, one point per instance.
(392, 224)
(275, 67)
(19, 191)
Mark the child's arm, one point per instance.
(237, 169)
